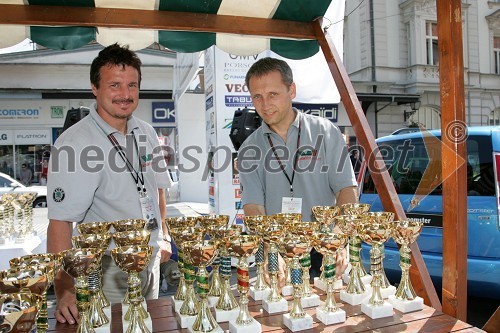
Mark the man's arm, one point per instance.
(59, 239)
(347, 195)
(253, 209)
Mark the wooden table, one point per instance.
(426, 320)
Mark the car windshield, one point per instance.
(407, 160)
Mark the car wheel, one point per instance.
(40, 203)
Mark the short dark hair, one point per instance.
(114, 55)
(266, 65)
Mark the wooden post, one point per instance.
(421, 279)
(451, 75)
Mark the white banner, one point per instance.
(32, 137)
(6, 137)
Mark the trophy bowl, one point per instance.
(19, 311)
(93, 227)
(53, 260)
(325, 214)
(132, 237)
(179, 222)
(128, 224)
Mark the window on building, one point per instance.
(431, 39)
(496, 54)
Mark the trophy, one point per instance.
(273, 233)
(176, 225)
(128, 224)
(286, 219)
(386, 289)
(25, 217)
(187, 309)
(34, 279)
(328, 243)
(256, 224)
(306, 229)
(8, 216)
(53, 262)
(227, 306)
(3, 223)
(216, 285)
(133, 259)
(201, 254)
(79, 264)
(356, 291)
(18, 312)
(97, 228)
(243, 247)
(376, 231)
(97, 316)
(324, 215)
(295, 246)
(404, 233)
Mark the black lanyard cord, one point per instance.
(295, 158)
(138, 176)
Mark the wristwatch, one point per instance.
(167, 238)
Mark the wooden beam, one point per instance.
(33, 15)
(420, 276)
(451, 77)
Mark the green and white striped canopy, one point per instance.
(74, 35)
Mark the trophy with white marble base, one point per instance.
(404, 233)
(243, 247)
(375, 232)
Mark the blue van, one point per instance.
(483, 205)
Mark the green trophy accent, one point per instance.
(329, 271)
(202, 285)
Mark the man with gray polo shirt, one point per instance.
(109, 166)
(293, 161)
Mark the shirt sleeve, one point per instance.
(72, 181)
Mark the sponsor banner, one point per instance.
(163, 112)
(239, 218)
(32, 137)
(238, 205)
(6, 137)
(57, 111)
(237, 193)
(328, 111)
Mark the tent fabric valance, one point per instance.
(71, 37)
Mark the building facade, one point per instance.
(391, 55)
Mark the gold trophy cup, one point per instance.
(18, 312)
(133, 259)
(404, 233)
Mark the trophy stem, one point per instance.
(204, 322)
(355, 285)
(305, 262)
(215, 283)
(329, 270)
(376, 258)
(100, 294)
(384, 281)
(288, 268)
(96, 315)
(42, 322)
(82, 304)
(260, 283)
(134, 291)
(405, 289)
(272, 267)
(296, 275)
(180, 294)
(190, 305)
(226, 300)
(244, 317)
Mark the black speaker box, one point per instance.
(245, 122)
(75, 115)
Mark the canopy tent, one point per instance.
(290, 28)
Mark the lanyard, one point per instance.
(295, 158)
(136, 175)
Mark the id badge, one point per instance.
(148, 212)
(291, 205)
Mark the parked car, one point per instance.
(483, 205)
(9, 184)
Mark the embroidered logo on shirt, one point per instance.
(58, 194)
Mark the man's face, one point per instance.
(272, 98)
(118, 93)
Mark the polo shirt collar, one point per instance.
(296, 122)
(105, 127)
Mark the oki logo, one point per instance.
(163, 112)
